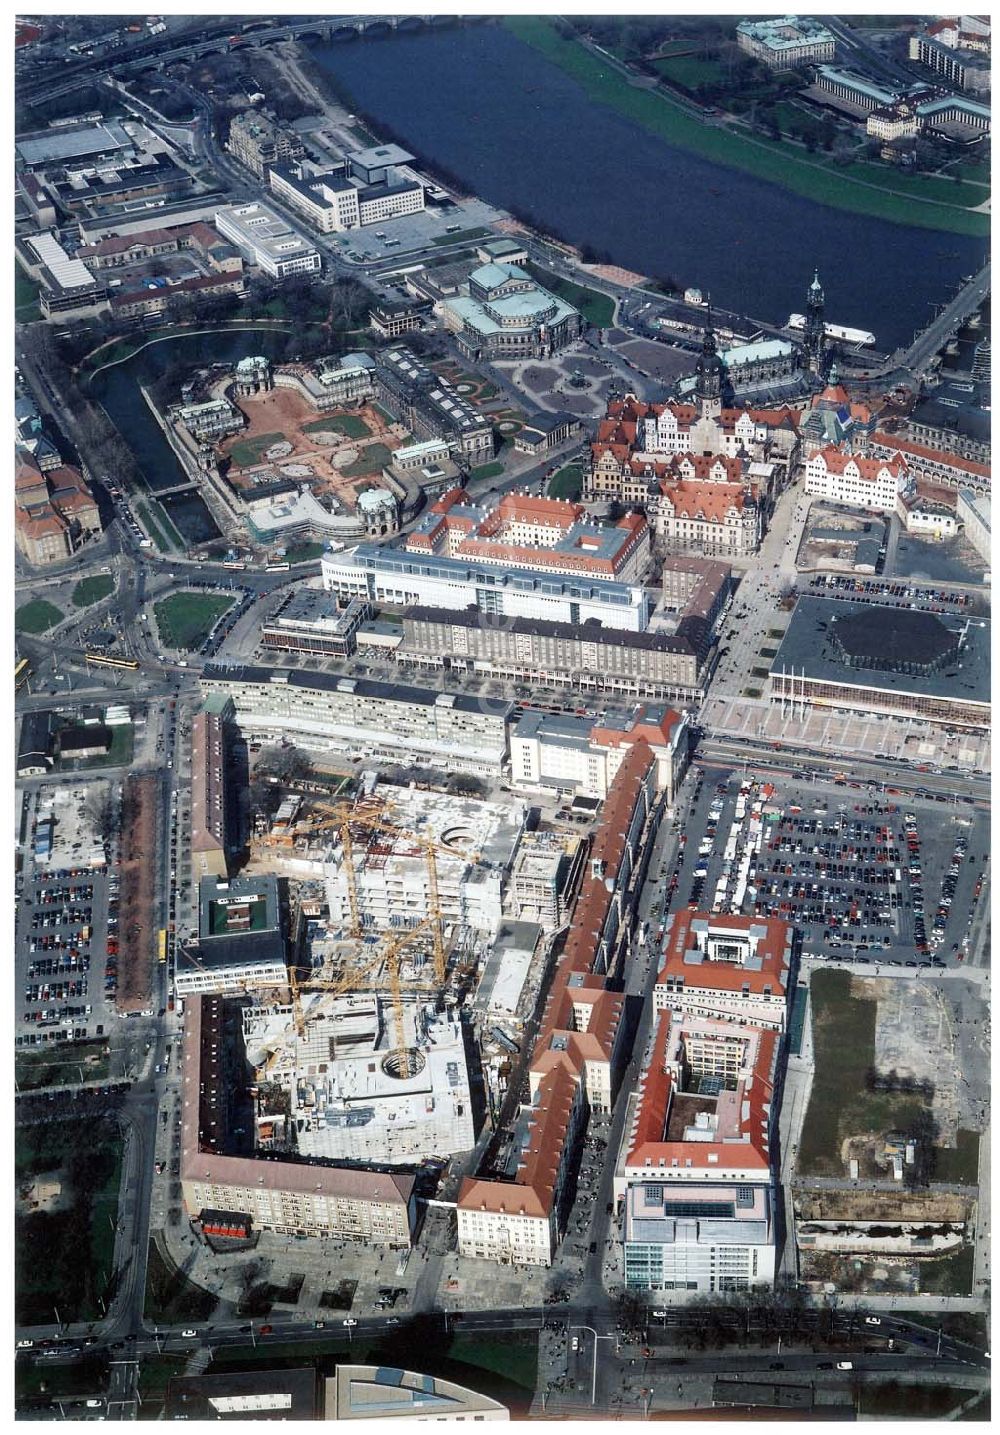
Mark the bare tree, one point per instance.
(99, 809)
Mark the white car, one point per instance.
(845, 1365)
(25, 1344)
(872, 1320)
(189, 1334)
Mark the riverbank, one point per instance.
(885, 196)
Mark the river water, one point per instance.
(523, 135)
(117, 388)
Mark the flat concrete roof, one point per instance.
(808, 647)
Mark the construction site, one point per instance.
(339, 1091)
(362, 1053)
(396, 858)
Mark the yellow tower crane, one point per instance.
(387, 954)
(431, 849)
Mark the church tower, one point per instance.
(708, 375)
(814, 340)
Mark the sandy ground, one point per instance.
(284, 411)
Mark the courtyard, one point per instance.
(337, 454)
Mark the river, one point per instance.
(118, 389)
(522, 134)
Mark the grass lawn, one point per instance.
(879, 196)
(185, 619)
(372, 460)
(155, 1371)
(751, 692)
(515, 1359)
(689, 71)
(952, 1275)
(38, 616)
(64, 1259)
(247, 451)
(351, 425)
(567, 483)
(167, 524)
(598, 309)
(63, 1065)
(118, 755)
(488, 391)
(157, 522)
(170, 1296)
(790, 116)
(923, 186)
(960, 1164)
(908, 1401)
(462, 236)
(486, 470)
(92, 590)
(840, 1106)
(26, 308)
(973, 174)
(305, 553)
(154, 530)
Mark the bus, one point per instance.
(161, 945)
(234, 563)
(105, 660)
(22, 672)
(277, 567)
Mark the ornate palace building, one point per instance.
(706, 475)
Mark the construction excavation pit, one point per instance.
(402, 1065)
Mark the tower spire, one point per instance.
(814, 338)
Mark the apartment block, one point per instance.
(258, 143)
(578, 756)
(208, 796)
(585, 656)
(577, 1059)
(377, 720)
(734, 968)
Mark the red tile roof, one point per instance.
(727, 976)
(919, 451)
(743, 1115)
(870, 469)
(561, 1068)
(710, 502)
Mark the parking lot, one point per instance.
(863, 876)
(876, 590)
(66, 926)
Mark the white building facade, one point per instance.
(857, 481)
(389, 575)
